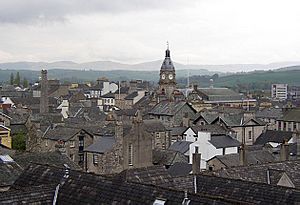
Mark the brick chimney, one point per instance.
(44, 107)
(284, 151)
(242, 155)
(196, 162)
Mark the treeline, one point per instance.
(16, 80)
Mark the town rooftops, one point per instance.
(168, 108)
(270, 113)
(154, 126)
(109, 95)
(61, 133)
(101, 145)
(131, 96)
(273, 136)
(292, 114)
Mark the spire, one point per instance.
(167, 51)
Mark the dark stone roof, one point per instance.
(61, 133)
(85, 188)
(258, 173)
(109, 95)
(177, 131)
(180, 146)
(101, 145)
(9, 172)
(126, 112)
(131, 96)
(224, 141)
(180, 169)
(168, 157)
(154, 126)
(97, 87)
(147, 175)
(270, 113)
(252, 158)
(214, 129)
(169, 108)
(273, 136)
(292, 114)
(31, 195)
(52, 158)
(124, 90)
(237, 190)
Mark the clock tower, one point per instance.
(167, 81)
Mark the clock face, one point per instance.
(170, 76)
(163, 76)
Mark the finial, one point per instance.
(168, 45)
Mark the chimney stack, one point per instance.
(44, 108)
(284, 151)
(196, 162)
(186, 120)
(242, 154)
(298, 144)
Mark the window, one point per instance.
(81, 158)
(157, 135)
(295, 125)
(284, 126)
(279, 125)
(72, 143)
(72, 157)
(250, 135)
(81, 143)
(95, 159)
(130, 155)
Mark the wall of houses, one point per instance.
(161, 140)
(214, 164)
(287, 125)
(249, 133)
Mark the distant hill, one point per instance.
(146, 66)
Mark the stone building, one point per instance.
(129, 147)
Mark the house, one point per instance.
(4, 119)
(68, 140)
(102, 87)
(129, 147)
(269, 116)
(244, 126)
(171, 113)
(290, 120)
(275, 138)
(133, 98)
(209, 145)
(232, 160)
(108, 102)
(161, 136)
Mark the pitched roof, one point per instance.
(180, 146)
(214, 129)
(254, 157)
(61, 133)
(258, 173)
(180, 169)
(291, 115)
(85, 188)
(273, 136)
(101, 145)
(9, 172)
(109, 95)
(131, 96)
(177, 130)
(168, 108)
(224, 141)
(272, 113)
(168, 157)
(154, 126)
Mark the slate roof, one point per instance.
(273, 136)
(147, 175)
(131, 96)
(220, 94)
(109, 95)
(167, 63)
(270, 113)
(258, 173)
(224, 141)
(101, 145)
(154, 126)
(180, 146)
(252, 158)
(168, 108)
(180, 169)
(85, 188)
(9, 172)
(61, 133)
(214, 129)
(237, 190)
(168, 157)
(97, 87)
(52, 158)
(177, 131)
(292, 114)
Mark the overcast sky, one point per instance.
(134, 31)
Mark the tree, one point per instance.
(17, 79)
(25, 83)
(18, 141)
(11, 78)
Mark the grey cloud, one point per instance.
(32, 11)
